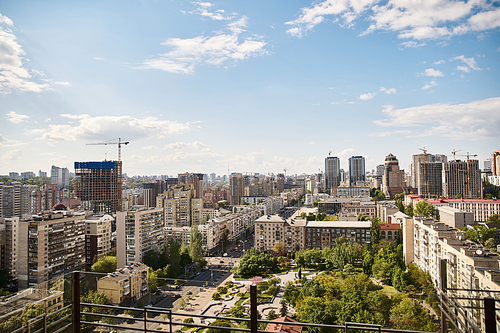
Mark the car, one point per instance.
(222, 261)
(130, 321)
(189, 292)
(178, 295)
(165, 295)
(149, 306)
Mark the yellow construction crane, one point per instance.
(330, 153)
(425, 173)
(119, 143)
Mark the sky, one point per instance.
(246, 86)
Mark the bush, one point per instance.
(188, 320)
(216, 296)
(222, 289)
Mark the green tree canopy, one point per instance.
(425, 208)
(105, 265)
(195, 244)
(493, 219)
(479, 233)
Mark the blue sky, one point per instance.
(256, 85)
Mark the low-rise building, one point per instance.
(125, 285)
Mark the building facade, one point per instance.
(97, 238)
(236, 188)
(462, 179)
(138, 232)
(332, 173)
(99, 186)
(356, 170)
(393, 179)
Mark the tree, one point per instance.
(400, 205)
(105, 265)
(278, 247)
(409, 210)
(174, 258)
(195, 244)
(479, 233)
(375, 231)
(220, 323)
(408, 314)
(363, 217)
(271, 315)
(425, 208)
(490, 244)
(493, 219)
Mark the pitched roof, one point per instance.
(278, 327)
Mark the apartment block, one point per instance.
(97, 238)
(10, 199)
(349, 192)
(126, 285)
(481, 208)
(236, 188)
(138, 232)
(430, 179)
(45, 198)
(50, 245)
(462, 179)
(393, 179)
(356, 170)
(10, 245)
(180, 207)
(299, 234)
(59, 176)
(196, 179)
(99, 186)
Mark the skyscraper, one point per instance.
(59, 176)
(99, 185)
(495, 163)
(462, 179)
(393, 179)
(430, 179)
(423, 158)
(236, 188)
(332, 173)
(356, 169)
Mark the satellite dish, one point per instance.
(479, 252)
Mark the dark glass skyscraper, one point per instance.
(356, 169)
(332, 172)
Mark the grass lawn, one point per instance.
(389, 291)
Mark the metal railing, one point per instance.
(454, 316)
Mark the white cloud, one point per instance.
(61, 83)
(4, 142)
(410, 19)
(367, 96)
(202, 9)
(472, 121)
(469, 62)
(412, 43)
(311, 143)
(384, 134)
(439, 62)
(187, 53)
(104, 127)
(345, 153)
(14, 75)
(432, 72)
(12, 155)
(148, 147)
(16, 118)
(388, 91)
(98, 58)
(430, 85)
(183, 145)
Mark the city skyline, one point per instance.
(253, 87)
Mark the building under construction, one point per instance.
(99, 185)
(462, 179)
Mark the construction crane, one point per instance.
(330, 153)
(285, 169)
(454, 152)
(425, 173)
(119, 143)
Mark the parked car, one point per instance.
(189, 292)
(130, 321)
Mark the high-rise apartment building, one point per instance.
(393, 179)
(462, 179)
(423, 158)
(59, 176)
(236, 188)
(280, 183)
(495, 163)
(193, 178)
(356, 169)
(430, 179)
(10, 198)
(332, 173)
(138, 232)
(180, 206)
(99, 185)
(152, 190)
(97, 238)
(50, 245)
(10, 245)
(45, 198)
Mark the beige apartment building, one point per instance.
(138, 231)
(10, 245)
(97, 238)
(181, 207)
(125, 285)
(50, 245)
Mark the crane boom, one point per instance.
(119, 143)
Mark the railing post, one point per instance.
(45, 321)
(145, 320)
(170, 319)
(443, 286)
(253, 309)
(75, 297)
(490, 323)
